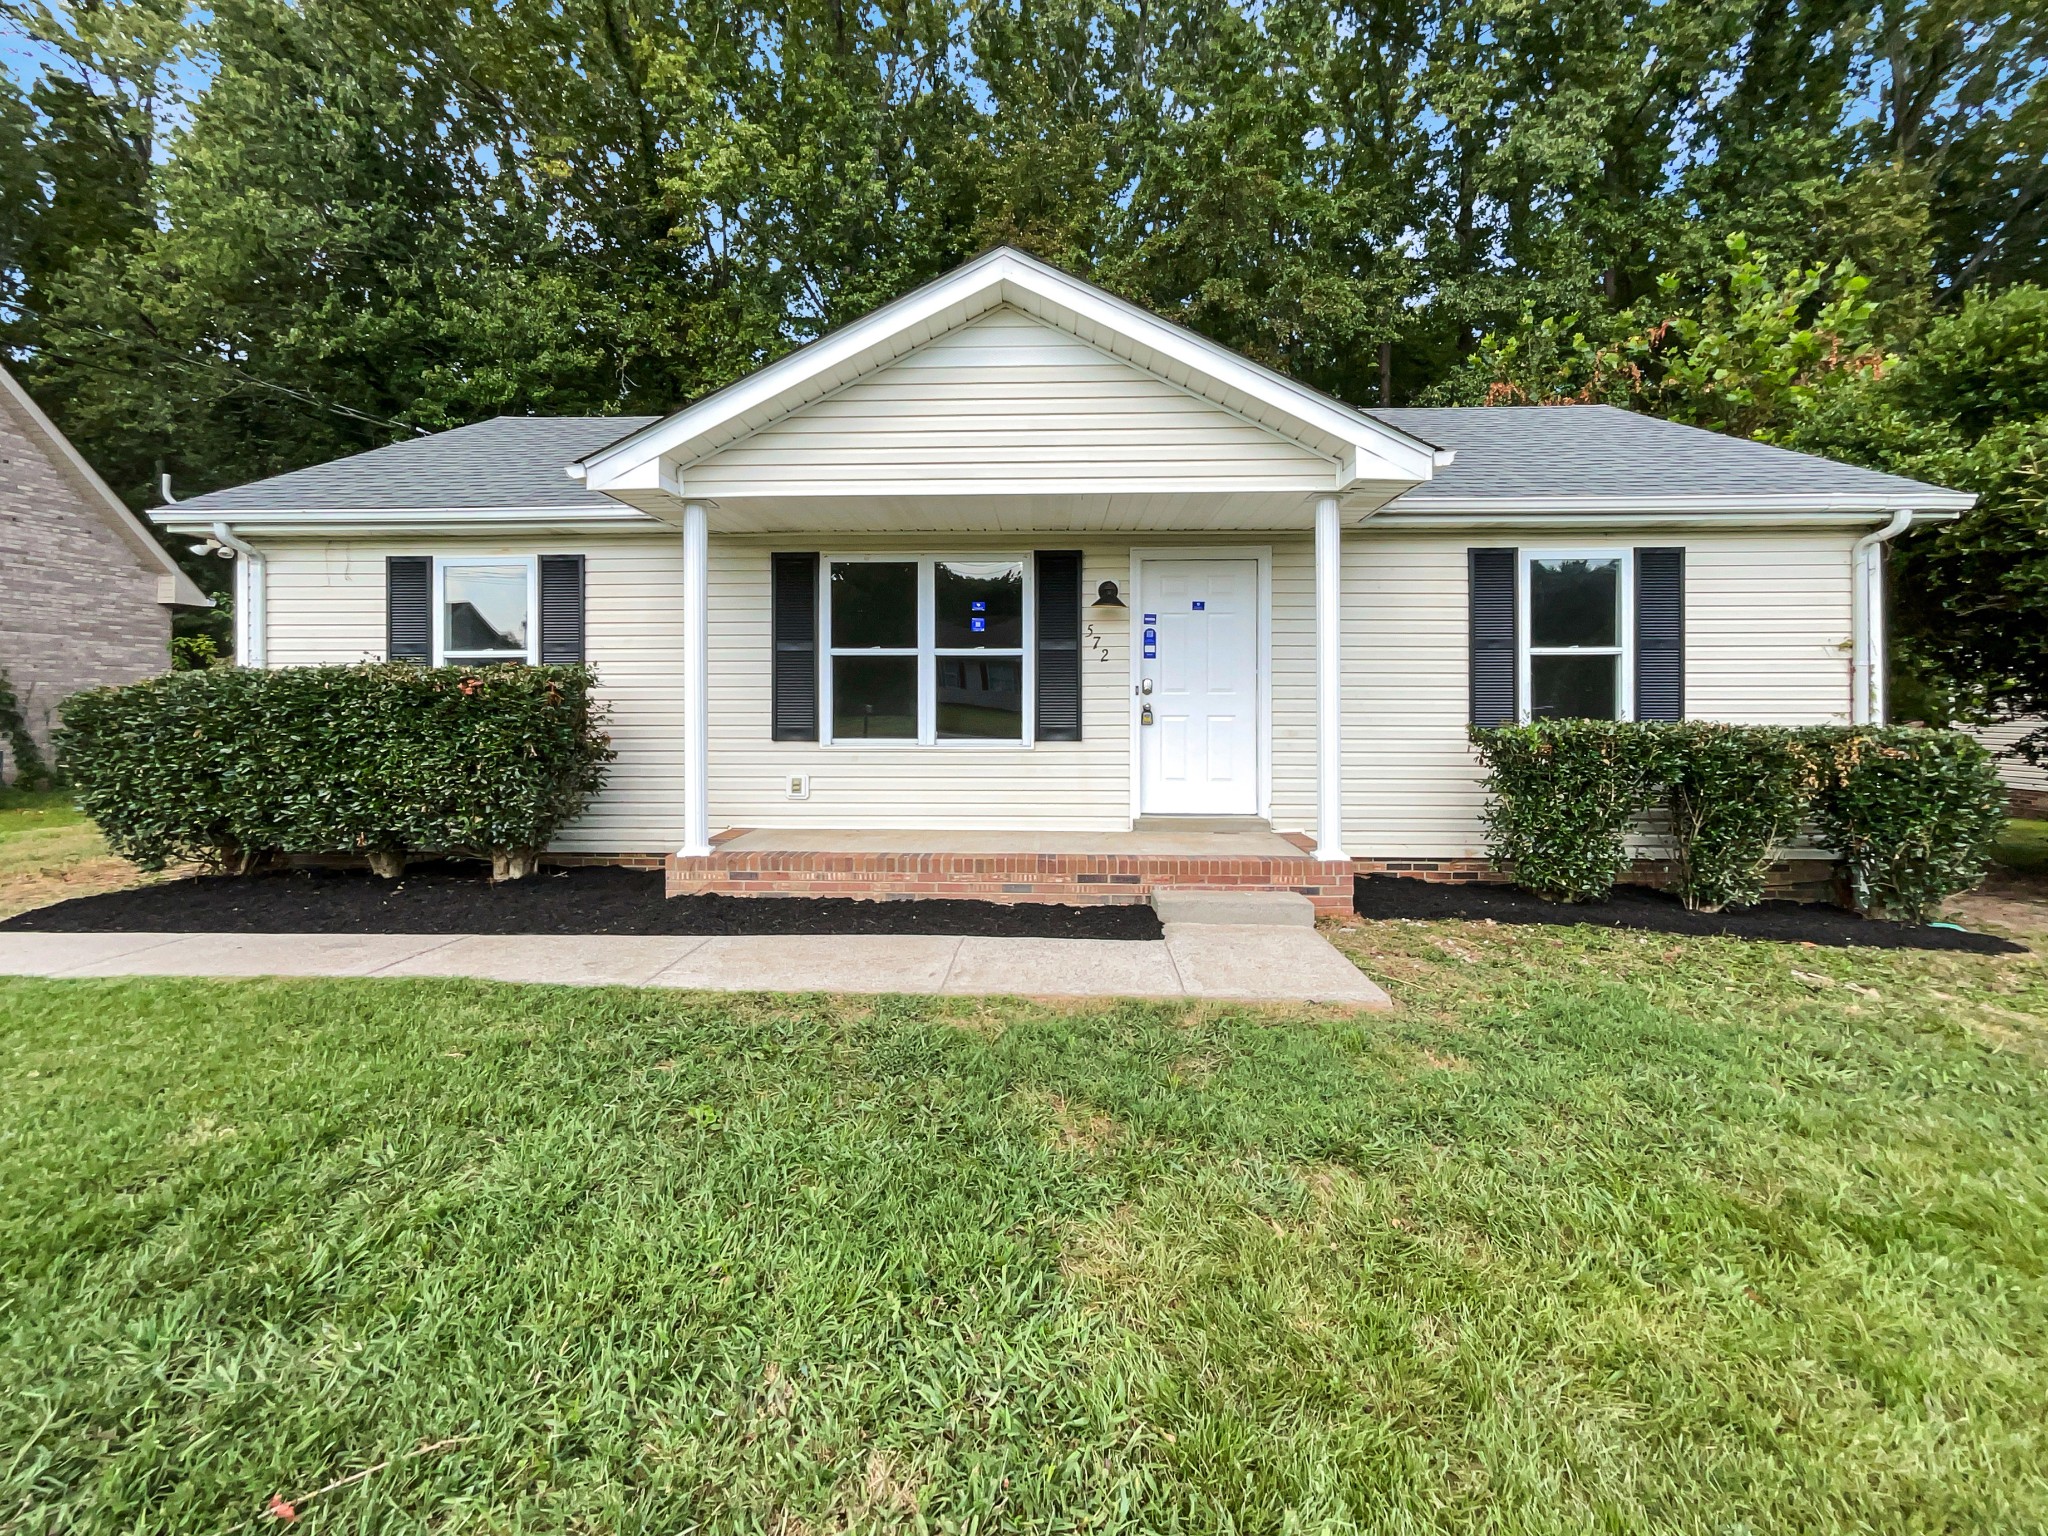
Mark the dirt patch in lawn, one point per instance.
(459, 898)
(1389, 896)
(2015, 902)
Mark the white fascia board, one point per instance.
(181, 519)
(1007, 276)
(1931, 500)
(1723, 516)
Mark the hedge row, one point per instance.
(232, 766)
(1910, 812)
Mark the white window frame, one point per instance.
(1624, 628)
(440, 614)
(928, 651)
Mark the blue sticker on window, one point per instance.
(977, 606)
(1199, 606)
(1151, 637)
(977, 624)
(1151, 618)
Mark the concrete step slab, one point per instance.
(1256, 963)
(1279, 909)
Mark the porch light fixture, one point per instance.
(1105, 596)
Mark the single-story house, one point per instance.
(1012, 588)
(86, 592)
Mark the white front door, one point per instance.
(1198, 677)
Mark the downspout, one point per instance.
(249, 598)
(1866, 574)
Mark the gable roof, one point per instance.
(507, 463)
(1364, 448)
(1565, 458)
(173, 587)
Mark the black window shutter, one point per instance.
(1058, 704)
(1491, 589)
(793, 622)
(561, 609)
(409, 608)
(1660, 634)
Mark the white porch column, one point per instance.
(696, 681)
(1329, 682)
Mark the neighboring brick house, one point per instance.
(85, 592)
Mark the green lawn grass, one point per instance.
(2023, 846)
(36, 810)
(1597, 1233)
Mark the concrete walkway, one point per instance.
(1234, 961)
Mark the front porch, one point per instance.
(1074, 867)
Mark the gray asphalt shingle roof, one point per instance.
(512, 461)
(1552, 452)
(1520, 452)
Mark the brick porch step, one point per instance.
(733, 869)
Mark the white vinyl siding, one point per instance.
(1767, 627)
(1767, 643)
(326, 605)
(1004, 401)
(2016, 772)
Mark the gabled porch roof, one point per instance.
(1341, 451)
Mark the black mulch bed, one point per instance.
(1383, 896)
(459, 898)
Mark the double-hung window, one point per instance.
(485, 609)
(926, 649)
(1575, 627)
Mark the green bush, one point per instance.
(1736, 794)
(1912, 812)
(1561, 797)
(229, 766)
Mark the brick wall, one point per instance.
(1082, 878)
(78, 605)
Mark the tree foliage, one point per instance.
(240, 238)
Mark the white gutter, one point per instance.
(1915, 498)
(1762, 517)
(250, 620)
(1866, 624)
